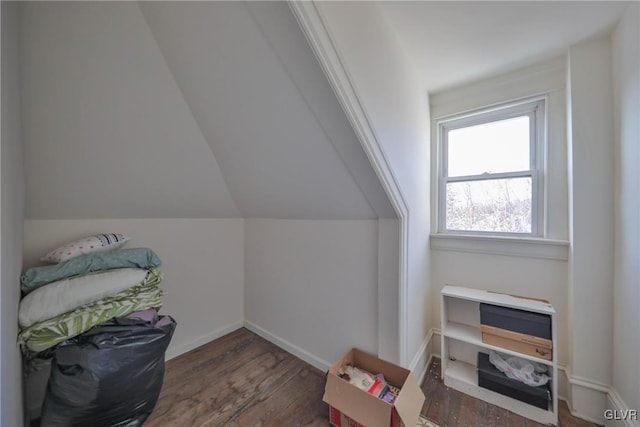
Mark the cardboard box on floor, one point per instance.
(366, 409)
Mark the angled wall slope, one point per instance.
(393, 104)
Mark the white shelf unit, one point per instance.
(462, 339)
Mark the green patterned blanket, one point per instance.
(43, 335)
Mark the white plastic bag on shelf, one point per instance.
(525, 371)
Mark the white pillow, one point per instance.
(69, 294)
(86, 245)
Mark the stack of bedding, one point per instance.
(86, 288)
(94, 309)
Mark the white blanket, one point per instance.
(66, 295)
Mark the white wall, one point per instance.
(388, 297)
(396, 106)
(543, 79)
(520, 275)
(591, 223)
(203, 265)
(12, 204)
(107, 131)
(311, 286)
(626, 73)
(532, 277)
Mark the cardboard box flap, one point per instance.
(546, 302)
(346, 358)
(409, 402)
(338, 396)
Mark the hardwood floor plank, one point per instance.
(439, 402)
(218, 395)
(495, 417)
(430, 386)
(264, 387)
(289, 404)
(472, 411)
(453, 409)
(243, 380)
(516, 420)
(211, 354)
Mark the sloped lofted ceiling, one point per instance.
(458, 42)
(184, 110)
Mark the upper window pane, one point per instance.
(495, 147)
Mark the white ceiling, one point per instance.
(456, 42)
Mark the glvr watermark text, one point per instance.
(624, 414)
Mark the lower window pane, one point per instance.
(498, 205)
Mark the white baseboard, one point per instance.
(184, 348)
(620, 413)
(588, 397)
(588, 394)
(421, 360)
(289, 347)
(563, 383)
(581, 415)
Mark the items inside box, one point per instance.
(372, 384)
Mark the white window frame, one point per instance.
(535, 108)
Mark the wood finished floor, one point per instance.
(244, 380)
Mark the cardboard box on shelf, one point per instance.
(353, 407)
(528, 349)
(523, 331)
(522, 343)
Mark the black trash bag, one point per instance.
(109, 376)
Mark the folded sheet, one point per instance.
(68, 294)
(35, 277)
(43, 335)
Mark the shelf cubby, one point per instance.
(462, 339)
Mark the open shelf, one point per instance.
(461, 340)
(505, 300)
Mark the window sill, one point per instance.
(526, 247)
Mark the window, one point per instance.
(490, 179)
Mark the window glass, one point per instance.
(495, 205)
(494, 147)
(491, 170)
